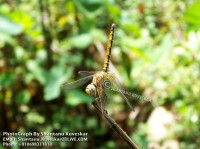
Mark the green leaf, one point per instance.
(75, 97)
(162, 52)
(34, 117)
(37, 71)
(129, 43)
(110, 144)
(22, 97)
(89, 8)
(132, 28)
(6, 38)
(192, 15)
(114, 10)
(81, 41)
(91, 123)
(9, 27)
(6, 79)
(98, 35)
(23, 18)
(55, 79)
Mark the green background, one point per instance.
(156, 52)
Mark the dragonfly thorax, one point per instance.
(91, 89)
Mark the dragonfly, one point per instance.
(99, 79)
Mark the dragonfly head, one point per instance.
(91, 90)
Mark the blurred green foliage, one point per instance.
(156, 52)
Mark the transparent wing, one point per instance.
(101, 94)
(77, 83)
(115, 84)
(86, 73)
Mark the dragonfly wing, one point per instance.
(127, 101)
(101, 94)
(117, 86)
(86, 73)
(77, 83)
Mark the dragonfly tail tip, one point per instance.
(113, 25)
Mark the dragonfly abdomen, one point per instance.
(108, 49)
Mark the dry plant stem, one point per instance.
(116, 127)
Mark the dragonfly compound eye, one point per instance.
(91, 90)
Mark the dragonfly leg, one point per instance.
(96, 105)
(105, 111)
(93, 101)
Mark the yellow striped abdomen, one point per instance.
(108, 49)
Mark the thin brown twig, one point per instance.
(116, 127)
